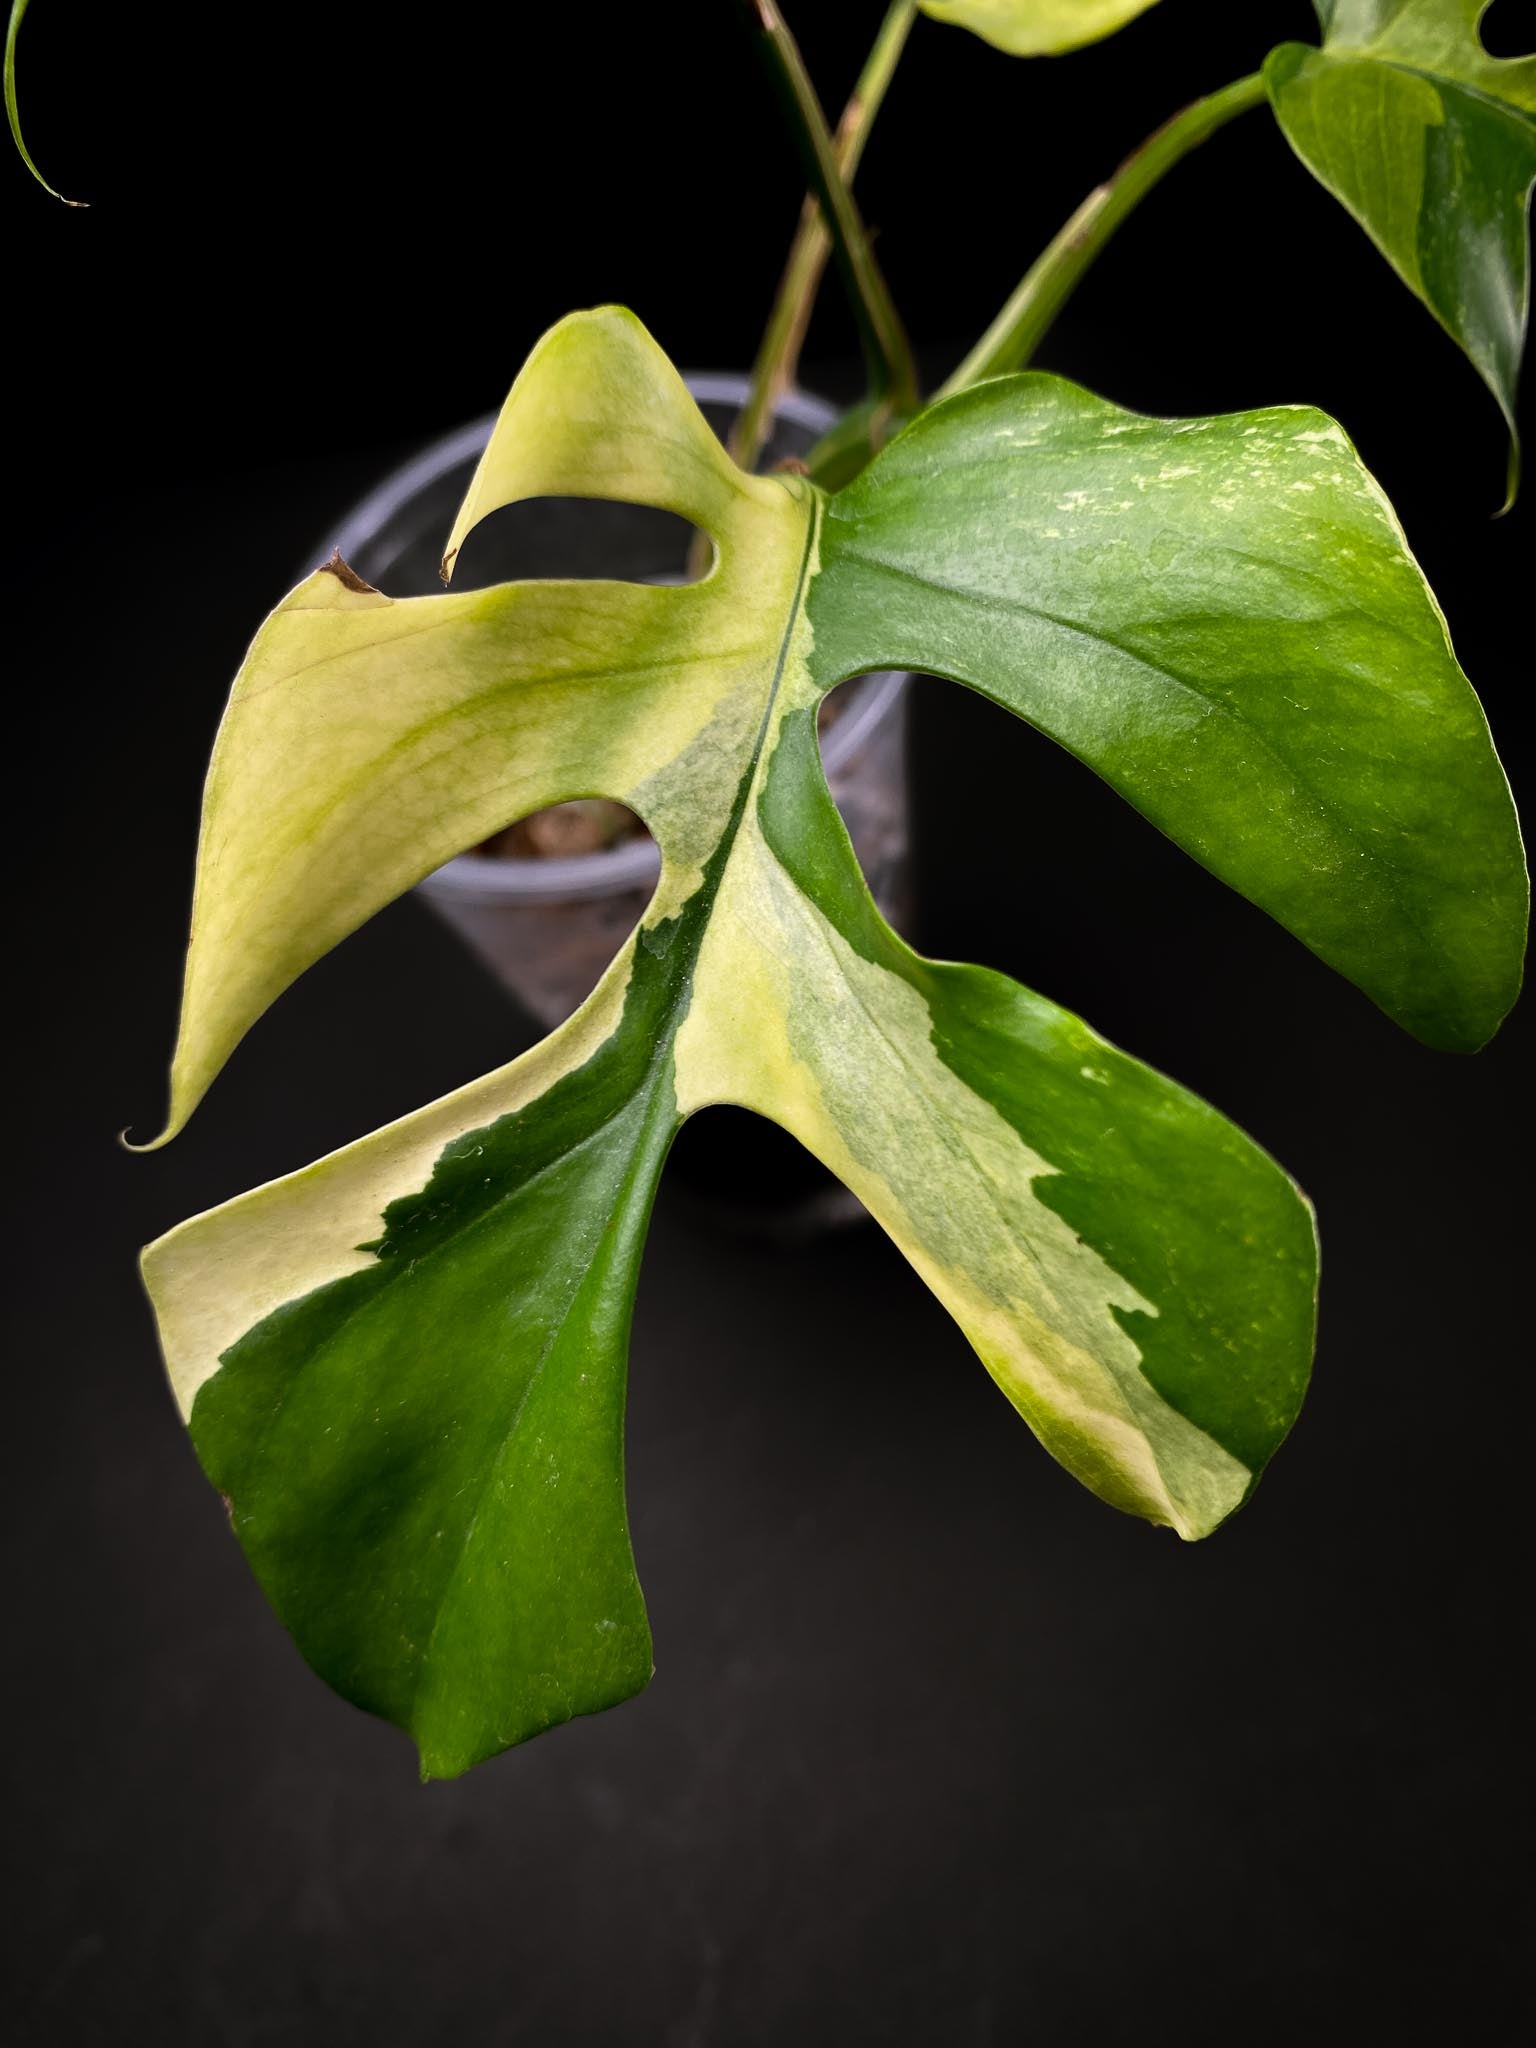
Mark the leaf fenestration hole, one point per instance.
(745, 1177)
(586, 824)
(834, 706)
(1505, 30)
(575, 539)
(547, 902)
(861, 734)
(579, 539)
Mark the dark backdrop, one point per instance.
(939, 1750)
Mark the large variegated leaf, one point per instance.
(1431, 145)
(404, 1365)
(1038, 28)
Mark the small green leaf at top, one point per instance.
(1430, 143)
(1038, 28)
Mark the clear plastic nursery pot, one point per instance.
(547, 927)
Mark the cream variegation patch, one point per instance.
(789, 1020)
(214, 1277)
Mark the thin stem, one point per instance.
(888, 354)
(778, 355)
(12, 113)
(1050, 281)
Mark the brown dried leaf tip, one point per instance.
(346, 574)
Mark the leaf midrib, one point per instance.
(1325, 805)
(508, 1433)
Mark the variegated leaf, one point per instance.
(404, 1365)
(1431, 144)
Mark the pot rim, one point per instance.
(635, 863)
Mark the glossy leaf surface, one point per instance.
(405, 1364)
(1430, 143)
(1038, 28)
(1221, 617)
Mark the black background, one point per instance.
(939, 1750)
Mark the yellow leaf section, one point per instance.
(598, 411)
(214, 1277)
(367, 740)
(1038, 28)
(788, 1020)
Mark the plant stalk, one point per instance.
(12, 112)
(778, 355)
(1051, 279)
(888, 354)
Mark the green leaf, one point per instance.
(1038, 28)
(1222, 618)
(12, 112)
(404, 1365)
(1431, 144)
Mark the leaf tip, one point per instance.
(78, 205)
(346, 575)
(1511, 476)
(147, 1144)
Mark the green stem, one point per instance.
(888, 354)
(12, 114)
(778, 355)
(1050, 281)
